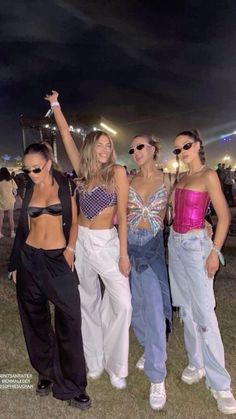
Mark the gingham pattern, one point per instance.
(97, 200)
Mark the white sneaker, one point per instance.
(226, 402)
(118, 382)
(140, 363)
(157, 397)
(94, 375)
(191, 375)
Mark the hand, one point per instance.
(69, 257)
(124, 266)
(212, 264)
(13, 275)
(52, 97)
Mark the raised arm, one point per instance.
(69, 144)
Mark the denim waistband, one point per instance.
(201, 234)
(139, 236)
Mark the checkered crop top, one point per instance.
(92, 203)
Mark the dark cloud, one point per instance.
(161, 67)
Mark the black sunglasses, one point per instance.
(139, 147)
(37, 170)
(186, 146)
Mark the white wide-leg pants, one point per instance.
(105, 321)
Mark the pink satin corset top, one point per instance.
(190, 209)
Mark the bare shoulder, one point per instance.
(119, 170)
(210, 175)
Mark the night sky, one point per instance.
(156, 69)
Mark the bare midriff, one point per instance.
(46, 232)
(102, 221)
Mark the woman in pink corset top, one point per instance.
(193, 261)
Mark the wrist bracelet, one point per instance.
(219, 254)
(124, 257)
(70, 249)
(55, 105)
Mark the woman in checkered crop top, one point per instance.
(101, 250)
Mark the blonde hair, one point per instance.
(152, 140)
(89, 163)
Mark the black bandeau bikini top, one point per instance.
(54, 209)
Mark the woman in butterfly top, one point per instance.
(193, 262)
(149, 283)
(42, 262)
(102, 191)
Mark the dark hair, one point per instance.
(5, 174)
(152, 140)
(196, 136)
(39, 148)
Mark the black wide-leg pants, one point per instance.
(43, 276)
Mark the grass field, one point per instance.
(183, 401)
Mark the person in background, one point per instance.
(42, 265)
(149, 282)
(102, 192)
(8, 191)
(193, 261)
(228, 185)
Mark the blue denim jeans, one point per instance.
(148, 318)
(193, 292)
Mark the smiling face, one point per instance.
(103, 149)
(35, 162)
(144, 155)
(189, 149)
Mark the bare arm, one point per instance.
(69, 144)
(122, 187)
(220, 206)
(222, 211)
(69, 251)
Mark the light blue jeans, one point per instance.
(148, 318)
(192, 291)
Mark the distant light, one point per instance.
(165, 169)
(78, 129)
(175, 165)
(95, 128)
(71, 128)
(54, 128)
(108, 128)
(46, 126)
(226, 157)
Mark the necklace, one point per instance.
(196, 171)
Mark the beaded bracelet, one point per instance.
(219, 254)
(70, 249)
(55, 105)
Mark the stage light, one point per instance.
(108, 128)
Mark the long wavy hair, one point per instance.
(89, 163)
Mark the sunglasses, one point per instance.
(37, 170)
(186, 146)
(139, 147)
